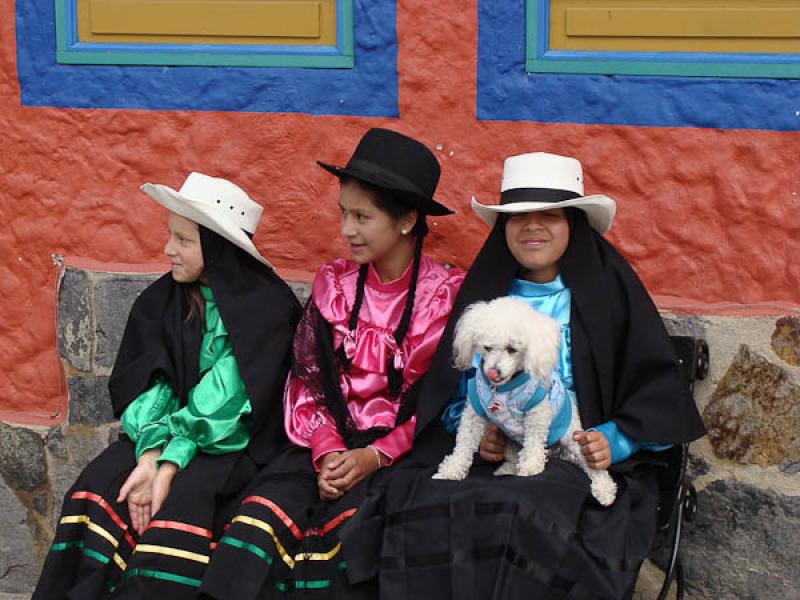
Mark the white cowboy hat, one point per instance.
(542, 181)
(218, 204)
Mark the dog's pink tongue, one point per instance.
(493, 375)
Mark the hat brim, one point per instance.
(200, 214)
(426, 205)
(600, 210)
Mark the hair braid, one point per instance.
(353, 321)
(395, 376)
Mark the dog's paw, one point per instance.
(507, 468)
(604, 489)
(531, 461)
(451, 470)
(529, 470)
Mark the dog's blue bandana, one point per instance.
(506, 405)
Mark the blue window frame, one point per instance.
(508, 91)
(369, 89)
(70, 50)
(539, 58)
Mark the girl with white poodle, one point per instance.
(366, 337)
(544, 536)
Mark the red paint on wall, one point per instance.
(706, 216)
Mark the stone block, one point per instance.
(753, 415)
(74, 336)
(301, 290)
(63, 478)
(113, 297)
(19, 567)
(84, 444)
(89, 402)
(56, 443)
(22, 459)
(698, 466)
(789, 467)
(685, 325)
(743, 543)
(786, 339)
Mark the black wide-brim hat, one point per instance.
(396, 162)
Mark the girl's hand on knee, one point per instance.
(595, 448)
(162, 484)
(493, 444)
(138, 490)
(354, 466)
(326, 490)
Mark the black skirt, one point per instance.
(284, 542)
(96, 553)
(492, 538)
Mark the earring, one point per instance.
(405, 231)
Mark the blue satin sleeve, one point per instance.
(451, 417)
(622, 446)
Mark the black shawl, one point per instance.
(259, 311)
(623, 362)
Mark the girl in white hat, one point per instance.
(543, 536)
(197, 386)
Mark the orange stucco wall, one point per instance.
(708, 217)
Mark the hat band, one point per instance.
(393, 180)
(536, 195)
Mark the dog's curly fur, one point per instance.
(511, 337)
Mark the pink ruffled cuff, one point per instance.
(325, 439)
(397, 443)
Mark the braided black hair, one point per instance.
(396, 207)
(396, 376)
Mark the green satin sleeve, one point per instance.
(217, 416)
(143, 419)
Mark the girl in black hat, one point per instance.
(362, 346)
(490, 537)
(197, 385)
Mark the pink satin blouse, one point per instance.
(370, 345)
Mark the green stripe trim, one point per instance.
(66, 546)
(319, 584)
(96, 555)
(245, 546)
(162, 575)
(77, 57)
(80, 545)
(696, 69)
(312, 585)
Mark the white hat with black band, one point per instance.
(540, 181)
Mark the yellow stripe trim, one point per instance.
(268, 528)
(91, 526)
(281, 550)
(201, 558)
(320, 555)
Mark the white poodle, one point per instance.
(515, 350)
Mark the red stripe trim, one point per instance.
(278, 512)
(332, 523)
(110, 511)
(180, 527)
